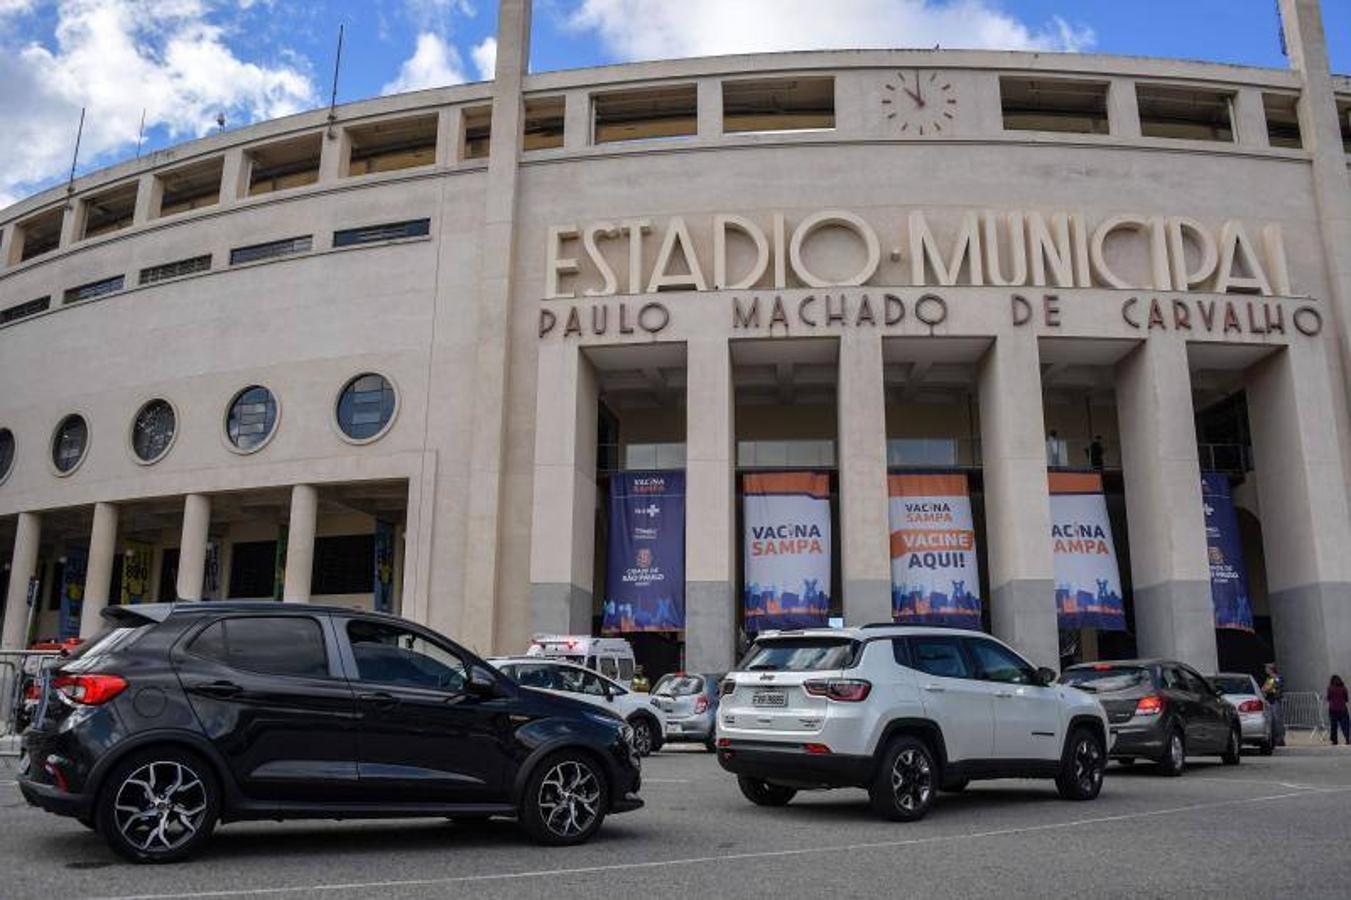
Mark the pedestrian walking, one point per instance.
(1337, 715)
(1272, 689)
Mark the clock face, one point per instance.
(921, 102)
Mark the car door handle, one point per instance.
(218, 689)
(381, 699)
(935, 688)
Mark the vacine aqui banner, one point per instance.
(1087, 579)
(935, 578)
(787, 550)
(1224, 544)
(645, 569)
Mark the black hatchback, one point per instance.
(181, 716)
(1161, 710)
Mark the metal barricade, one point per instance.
(1304, 711)
(22, 675)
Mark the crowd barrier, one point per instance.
(1304, 711)
(20, 670)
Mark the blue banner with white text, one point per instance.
(645, 569)
(72, 591)
(1224, 545)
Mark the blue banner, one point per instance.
(645, 570)
(72, 591)
(1224, 544)
(384, 566)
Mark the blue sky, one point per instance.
(185, 61)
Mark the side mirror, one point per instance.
(609, 691)
(482, 685)
(1046, 676)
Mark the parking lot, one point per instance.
(1272, 826)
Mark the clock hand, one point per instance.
(919, 100)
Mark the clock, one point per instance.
(922, 102)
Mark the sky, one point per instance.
(182, 63)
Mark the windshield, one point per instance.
(1105, 679)
(679, 685)
(800, 654)
(1233, 684)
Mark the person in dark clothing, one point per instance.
(1095, 452)
(1337, 714)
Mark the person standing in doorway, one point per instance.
(1337, 714)
(1272, 689)
(1096, 453)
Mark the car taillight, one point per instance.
(1149, 706)
(32, 692)
(89, 690)
(700, 704)
(816, 749)
(1250, 706)
(845, 690)
(728, 686)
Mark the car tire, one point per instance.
(565, 799)
(158, 805)
(645, 738)
(1174, 759)
(1233, 751)
(955, 787)
(906, 781)
(762, 793)
(1082, 766)
(88, 822)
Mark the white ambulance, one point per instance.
(611, 657)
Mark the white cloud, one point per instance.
(485, 58)
(117, 58)
(434, 63)
(12, 7)
(647, 29)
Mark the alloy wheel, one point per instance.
(911, 780)
(160, 806)
(569, 798)
(1088, 764)
(642, 737)
(1175, 755)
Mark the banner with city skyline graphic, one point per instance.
(787, 550)
(1224, 547)
(935, 578)
(1087, 578)
(645, 567)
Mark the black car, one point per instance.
(1161, 710)
(183, 715)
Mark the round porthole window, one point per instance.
(6, 452)
(69, 443)
(366, 406)
(252, 418)
(153, 430)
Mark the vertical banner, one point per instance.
(934, 575)
(279, 562)
(136, 564)
(384, 566)
(72, 591)
(1224, 544)
(787, 550)
(645, 565)
(211, 570)
(1087, 580)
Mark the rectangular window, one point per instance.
(1044, 104)
(109, 211)
(252, 569)
(1344, 117)
(285, 164)
(168, 575)
(372, 234)
(1283, 120)
(940, 656)
(94, 289)
(23, 310)
(38, 235)
(646, 114)
(1193, 114)
(478, 126)
(543, 122)
(271, 250)
(344, 564)
(392, 145)
(778, 104)
(191, 187)
(270, 645)
(175, 269)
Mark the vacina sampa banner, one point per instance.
(645, 569)
(934, 575)
(787, 550)
(1087, 580)
(1224, 545)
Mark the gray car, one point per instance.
(1254, 712)
(690, 702)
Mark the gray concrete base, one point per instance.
(1176, 620)
(559, 609)
(1022, 613)
(710, 629)
(867, 600)
(1312, 629)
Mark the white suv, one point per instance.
(902, 711)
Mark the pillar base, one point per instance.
(1022, 612)
(1176, 620)
(710, 632)
(867, 600)
(560, 608)
(1312, 629)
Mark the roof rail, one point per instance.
(917, 625)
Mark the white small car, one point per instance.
(580, 683)
(904, 712)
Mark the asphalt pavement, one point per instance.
(1273, 826)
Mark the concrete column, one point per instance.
(300, 544)
(710, 507)
(334, 154)
(22, 567)
(710, 108)
(563, 515)
(1123, 110)
(192, 546)
(234, 182)
(149, 193)
(576, 120)
(1306, 527)
(861, 435)
(102, 547)
(1017, 501)
(1170, 568)
(1250, 119)
(72, 222)
(448, 136)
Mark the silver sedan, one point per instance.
(1254, 712)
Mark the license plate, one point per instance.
(674, 729)
(769, 698)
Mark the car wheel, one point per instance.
(955, 787)
(1082, 767)
(905, 785)
(158, 805)
(644, 735)
(762, 793)
(1233, 751)
(1174, 758)
(565, 799)
(88, 822)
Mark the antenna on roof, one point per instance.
(75, 158)
(140, 134)
(333, 97)
(220, 120)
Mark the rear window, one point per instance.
(680, 686)
(1106, 678)
(271, 645)
(1233, 684)
(109, 641)
(800, 655)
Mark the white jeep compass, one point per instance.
(902, 711)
